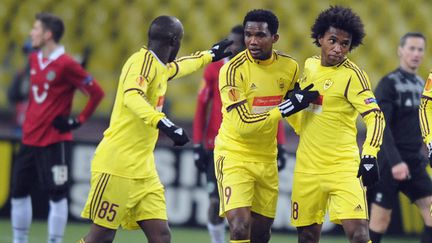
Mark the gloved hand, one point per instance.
(429, 146)
(298, 100)
(175, 133)
(65, 124)
(200, 157)
(218, 50)
(368, 170)
(282, 157)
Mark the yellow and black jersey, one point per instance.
(425, 111)
(127, 146)
(328, 126)
(250, 92)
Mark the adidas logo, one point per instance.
(179, 131)
(368, 167)
(299, 97)
(253, 86)
(358, 208)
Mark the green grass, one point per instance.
(75, 231)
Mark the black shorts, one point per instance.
(385, 192)
(47, 167)
(212, 188)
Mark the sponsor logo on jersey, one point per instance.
(51, 75)
(370, 100)
(265, 103)
(327, 84)
(253, 86)
(316, 105)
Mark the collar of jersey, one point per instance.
(261, 62)
(60, 50)
(154, 54)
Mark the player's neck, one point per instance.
(49, 48)
(407, 69)
(160, 51)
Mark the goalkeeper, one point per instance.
(125, 187)
(328, 167)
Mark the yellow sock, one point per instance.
(369, 241)
(239, 241)
(81, 241)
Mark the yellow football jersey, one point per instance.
(328, 126)
(250, 92)
(425, 111)
(127, 146)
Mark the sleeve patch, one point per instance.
(370, 100)
(88, 80)
(428, 86)
(233, 95)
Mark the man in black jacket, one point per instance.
(402, 165)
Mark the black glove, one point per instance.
(368, 170)
(429, 146)
(175, 133)
(298, 100)
(218, 50)
(282, 157)
(65, 124)
(200, 157)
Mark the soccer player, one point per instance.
(205, 128)
(125, 187)
(328, 163)
(252, 86)
(45, 150)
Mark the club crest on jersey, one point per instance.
(51, 75)
(233, 95)
(327, 84)
(370, 100)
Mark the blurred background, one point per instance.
(107, 32)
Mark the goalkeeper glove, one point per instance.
(299, 100)
(429, 146)
(175, 133)
(65, 124)
(200, 157)
(368, 170)
(218, 50)
(282, 157)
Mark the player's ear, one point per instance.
(275, 38)
(174, 41)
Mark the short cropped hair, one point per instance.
(52, 23)
(403, 39)
(340, 18)
(262, 15)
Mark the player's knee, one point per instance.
(162, 236)
(360, 235)
(57, 195)
(240, 230)
(307, 235)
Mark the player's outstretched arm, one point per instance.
(188, 64)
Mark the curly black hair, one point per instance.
(340, 18)
(262, 15)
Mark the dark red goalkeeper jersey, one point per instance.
(53, 82)
(207, 122)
